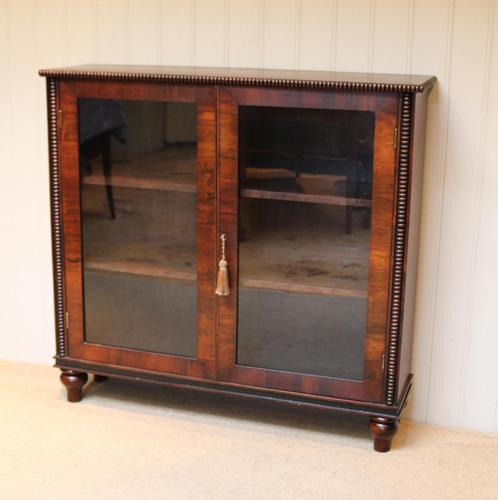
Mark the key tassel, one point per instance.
(222, 283)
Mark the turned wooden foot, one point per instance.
(383, 431)
(74, 382)
(100, 378)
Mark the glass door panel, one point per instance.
(138, 224)
(305, 198)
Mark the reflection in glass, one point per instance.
(138, 197)
(305, 184)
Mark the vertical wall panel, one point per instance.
(390, 40)
(210, 23)
(459, 215)
(81, 32)
(51, 17)
(5, 83)
(316, 35)
(112, 31)
(480, 395)
(431, 53)
(24, 96)
(25, 184)
(352, 39)
(495, 429)
(280, 34)
(144, 32)
(9, 348)
(177, 32)
(245, 33)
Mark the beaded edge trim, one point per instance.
(235, 80)
(399, 250)
(56, 219)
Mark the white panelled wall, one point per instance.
(456, 340)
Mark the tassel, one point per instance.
(222, 283)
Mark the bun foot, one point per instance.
(74, 382)
(100, 378)
(383, 431)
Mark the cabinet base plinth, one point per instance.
(383, 431)
(383, 418)
(74, 382)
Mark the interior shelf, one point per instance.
(123, 181)
(148, 238)
(140, 269)
(298, 268)
(162, 272)
(171, 169)
(283, 185)
(174, 170)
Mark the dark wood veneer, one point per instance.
(323, 80)
(74, 382)
(386, 108)
(383, 431)
(398, 102)
(204, 364)
(240, 390)
(56, 216)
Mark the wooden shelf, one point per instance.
(299, 288)
(303, 268)
(306, 198)
(174, 170)
(140, 269)
(162, 272)
(155, 237)
(122, 181)
(282, 184)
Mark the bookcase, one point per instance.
(248, 232)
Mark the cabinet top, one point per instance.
(331, 80)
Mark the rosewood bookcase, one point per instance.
(238, 231)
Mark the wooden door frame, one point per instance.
(385, 107)
(203, 366)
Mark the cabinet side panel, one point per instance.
(56, 220)
(416, 176)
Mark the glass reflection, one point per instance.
(138, 197)
(305, 181)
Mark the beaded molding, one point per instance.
(234, 80)
(402, 188)
(55, 199)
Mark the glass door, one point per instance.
(309, 248)
(140, 160)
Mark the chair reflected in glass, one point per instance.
(99, 121)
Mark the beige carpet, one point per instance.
(128, 440)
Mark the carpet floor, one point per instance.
(128, 440)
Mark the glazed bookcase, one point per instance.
(245, 232)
